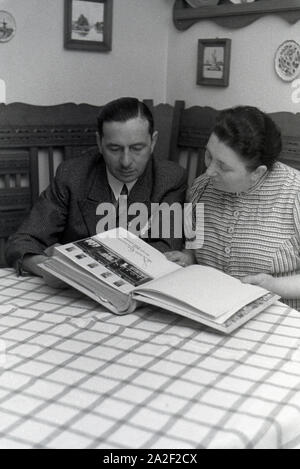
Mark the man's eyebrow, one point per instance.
(131, 144)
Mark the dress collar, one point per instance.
(248, 191)
(255, 186)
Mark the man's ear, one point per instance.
(259, 172)
(98, 139)
(154, 140)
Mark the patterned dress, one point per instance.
(255, 231)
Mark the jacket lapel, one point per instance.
(99, 192)
(142, 190)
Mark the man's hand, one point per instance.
(262, 280)
(53, 282)
(183, 258)
(31, 264)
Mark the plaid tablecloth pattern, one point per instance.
(73, 375)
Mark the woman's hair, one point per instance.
(122, 110)
(251, 133)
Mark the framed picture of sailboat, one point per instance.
(88, 25)
(213, 62)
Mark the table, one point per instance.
(73, 375)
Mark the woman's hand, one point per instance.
(262, 280)
(183, 258)
(286, 287)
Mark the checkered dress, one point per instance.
(252, 232)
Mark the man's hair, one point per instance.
(122, 110)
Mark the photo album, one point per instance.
(122, 272)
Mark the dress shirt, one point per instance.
(117, 186)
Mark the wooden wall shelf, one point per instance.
(234, 15)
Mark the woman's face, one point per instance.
(227, 170)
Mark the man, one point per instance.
(69, 208)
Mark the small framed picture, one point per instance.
(88, 25)
(213, 62)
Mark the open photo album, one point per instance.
(121, 272)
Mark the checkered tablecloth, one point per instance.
(73, 375)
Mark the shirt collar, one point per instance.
(116, 185)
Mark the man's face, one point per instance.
(127, 147)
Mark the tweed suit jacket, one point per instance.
(66, 210)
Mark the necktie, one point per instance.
(124, 190)
(121, 209)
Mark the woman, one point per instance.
(251, 205)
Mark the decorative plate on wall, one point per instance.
(287, 60)
(7, 26)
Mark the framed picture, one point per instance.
(213, 62)
(88, 25)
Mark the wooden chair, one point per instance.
(31, 137)
(193, 126)
(191, 130)
(35, 139)
(164, 121)
(15, 194)
(289, 125)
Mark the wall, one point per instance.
(252, 76)
(38, 70)
(149, 59)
